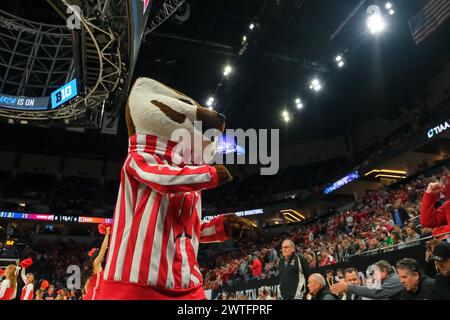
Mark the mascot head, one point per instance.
(155, 109)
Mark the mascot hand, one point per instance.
(235, 226)
(224, 175)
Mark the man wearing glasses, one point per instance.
(294, 271)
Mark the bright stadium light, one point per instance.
(299, 105)
(210, 108)
(315, 85)
(376, 23)
(388, 6)
(338, 58)
(210, 101)
(244, 38)
(341, 64)
(297, 101)
(286, 116)
(251, 26)
(391, 12)
(227, 70)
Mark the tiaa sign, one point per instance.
(438, 129)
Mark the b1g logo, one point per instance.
(63, 94)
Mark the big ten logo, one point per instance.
(373, 279)
(74, 280)
(63, 94)
(73, 21)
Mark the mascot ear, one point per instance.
(130, 125)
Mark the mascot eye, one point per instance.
(213, 138)
(186, 101)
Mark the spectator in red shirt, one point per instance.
(256, 267)
(327, 259)
(439, 218)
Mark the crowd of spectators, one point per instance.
(51, 259)
(75, 195)
(310, 179)
(383, 220)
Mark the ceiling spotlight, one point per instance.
(297, 101)
(285, 114)
(299, 105)
(338, 58)
(210, 101)
(391, 12)
(210, 108)
(388, 5)
(341, 64)
(227, 70)
(375, 23)
(244, 38)
(315, 85)
(251, 26)
(286, 119)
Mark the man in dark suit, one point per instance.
(399, 214)
(352, 277)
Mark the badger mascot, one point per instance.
(157, 225)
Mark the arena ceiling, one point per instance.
(292, 42)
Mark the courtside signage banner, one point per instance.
(23, 103)
(53, 217)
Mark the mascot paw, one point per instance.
(224, 175)
(235, 226)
